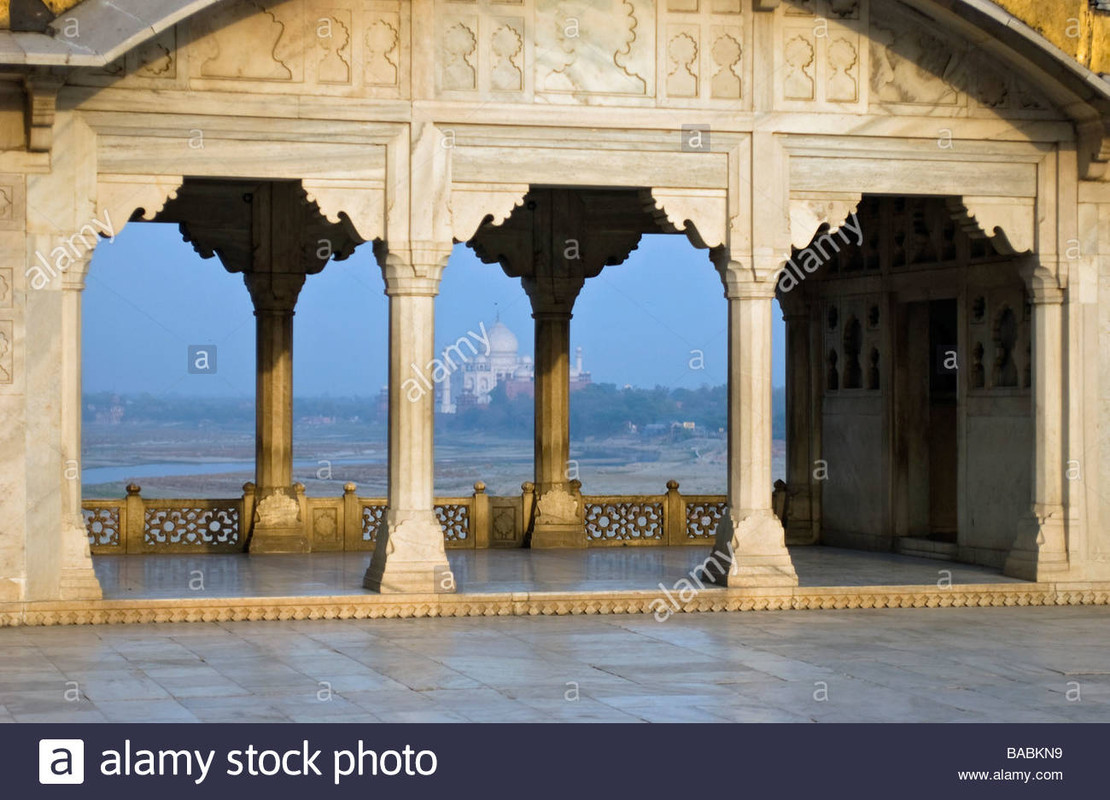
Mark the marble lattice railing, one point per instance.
(136, 524)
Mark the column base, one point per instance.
(79, 584)
(278, 526)
(11, 589)
(1033, 556)
(78, 580)
(558, 523)
(409, 556)
(556, 536)
(278, 539)
(750, 551)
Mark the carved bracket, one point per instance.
(354, 204)
(1009, 222)
(701, 214)
(809, 212)
(843, 8)
(1094, 150)
(42, 98)
(473, 205)
(120, 197)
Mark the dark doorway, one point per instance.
(926, 421)
(942, 429)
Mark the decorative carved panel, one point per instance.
(820, 58)
(200, 526)
(702, 518)
(382, 64)
(913, 65)
(13, 202)
(372, 518)
(325, 525)
(7, 352)
(7, 287)
(999, 344)
(482, 47)
(103, 526)
(702, 51)
(854, 352)
(315, 47)
(455, 519)
(156, 58)
(332, 46)
(253, 41)
(602, 47)
(505, 525)
(624, 521)
(821, 55)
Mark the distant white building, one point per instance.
(475, 380)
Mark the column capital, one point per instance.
(749, 276)
(412, 268)
(1042, 279)
(552, 296)
(274, 292)
(73, 279)
(61, 261)
(739, 288)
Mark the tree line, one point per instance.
(596, 410)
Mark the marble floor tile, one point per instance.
(878, 665)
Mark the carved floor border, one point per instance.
(235, 609)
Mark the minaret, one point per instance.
(445, 405)
(578, 360)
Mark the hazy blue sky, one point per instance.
(149, 297)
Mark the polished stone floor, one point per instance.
(1047, 664)
(598, 569)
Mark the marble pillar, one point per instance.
(78, 580)
(750, 544)
(1040, 548)
(558, 518)
(409, 554)
(278, 526)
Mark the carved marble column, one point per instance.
(558, 510)
(78, 580)
(409, 555)
(275, 236)
(277, 525)
(1040, 548)
(554, 242)
(801, 396)
(750, 539)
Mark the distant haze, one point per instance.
(658, 319)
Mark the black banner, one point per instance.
(554, 761)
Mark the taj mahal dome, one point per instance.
(474, 382)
